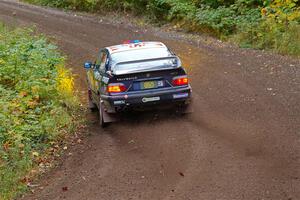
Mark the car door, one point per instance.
(100, 72)
(95, 73)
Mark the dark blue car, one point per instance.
(136, 75)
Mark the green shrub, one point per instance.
(34, 109)
(220, 18)
(271, 35)
(278, 29)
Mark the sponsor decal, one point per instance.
(179, 96)
(119, 102)
(97, 76)
(150, 99)
(127, 79)
(105, 79)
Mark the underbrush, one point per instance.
(245, 22)
(278, 29)
(37, 105)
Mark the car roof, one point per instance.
(130, 46)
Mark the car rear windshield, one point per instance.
(139, 60)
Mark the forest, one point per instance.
(260, 24)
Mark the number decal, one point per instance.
(97, 76)
(141, 44)
(114, 48)
(105, 79)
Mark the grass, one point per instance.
(37, 105)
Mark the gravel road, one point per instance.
(241, 142)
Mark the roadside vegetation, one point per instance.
(261, 24)
(37, 105)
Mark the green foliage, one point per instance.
(278, 28)
(221, 18)
(54, 3)
(224, 21)
(32, 109)
(271, 35)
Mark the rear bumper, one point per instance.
(146, 99)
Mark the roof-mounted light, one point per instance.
(132, 41)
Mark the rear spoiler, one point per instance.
(145, 60)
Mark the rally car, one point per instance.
(136, 75)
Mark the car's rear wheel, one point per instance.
(185, 107)
(92, 106)
(103, 124)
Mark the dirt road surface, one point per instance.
(241, 142)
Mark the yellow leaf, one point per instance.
(23, 94)
(35, 154)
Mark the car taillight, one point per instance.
(180, 80)
(116, 88)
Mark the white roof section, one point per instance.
(135, 46)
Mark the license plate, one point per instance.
(151, 84)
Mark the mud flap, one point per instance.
(108, 117)
(91, 105)
(186, 108)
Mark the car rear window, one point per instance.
(125, 57)
(140, 54)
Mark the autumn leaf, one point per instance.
(35, 154)
(23, 94)
(6, 146)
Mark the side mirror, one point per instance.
(88, 65)
(109, 73)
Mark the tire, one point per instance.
(92, 106)
(101, 119)
(185, 108)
